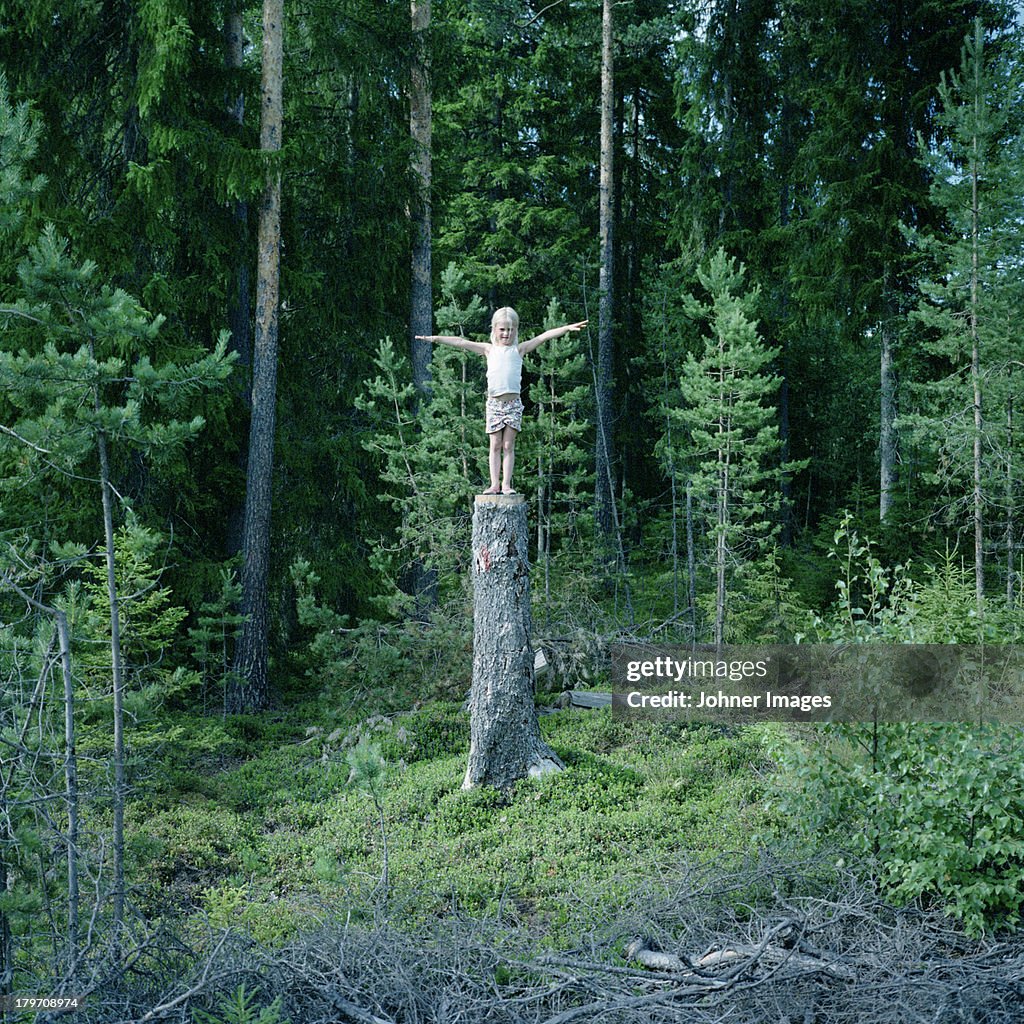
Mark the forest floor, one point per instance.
(655, 881)
(256, 824)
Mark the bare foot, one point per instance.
(509, 490)
(491, 490)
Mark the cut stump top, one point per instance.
(500, 499)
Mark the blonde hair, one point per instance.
(505, 313)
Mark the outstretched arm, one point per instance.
(447, 339)
(555, 332)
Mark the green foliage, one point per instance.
(433, 450)
(876, 603)
(964, 321)
(282, 836)
(936, 808)
(240, 1007)
(29, 750)
(513, 201)
(423, 452)
(765, 608)
(554, 452)
(367, 768)
(731, 440)
(149, 622)
(397, 662)
(19, 141)
(200, 840)
(75, 368)
(871, 599)
(725, 432)
(213, 641)
(788, 141)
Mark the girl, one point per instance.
(504, 357)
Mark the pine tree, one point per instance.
(969, 296)
(728, 430)
(665, 350)
(250, 690)
(79, 386)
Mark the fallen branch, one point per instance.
(740, 957)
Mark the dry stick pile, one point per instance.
(765, 945)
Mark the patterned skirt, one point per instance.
(504, 412)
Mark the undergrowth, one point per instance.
(282, 841)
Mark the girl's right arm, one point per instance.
(447, 339)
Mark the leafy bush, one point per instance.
(937, 808)
(937, 604)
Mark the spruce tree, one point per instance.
(555, 440)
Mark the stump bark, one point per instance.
(505, 741)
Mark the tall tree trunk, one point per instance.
(721, 541)
(421, 313)
(887, 436)
(605, 494)
(6, 943)
(979, 549)
(118, 682)
(250, 689)
(786, 508)
(421, 299)
(70, 785)
(670, 450)
(238, 310)
(505, 743)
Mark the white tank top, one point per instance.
(504, 370)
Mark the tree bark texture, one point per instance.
(421, 315)
(604, 492)
(888, 478)
(505, 742)
(250, 690)
(118, 685)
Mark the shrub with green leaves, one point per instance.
(937, 809)
(933, 604)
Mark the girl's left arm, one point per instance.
(555, 332)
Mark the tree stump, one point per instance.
(505, 743)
